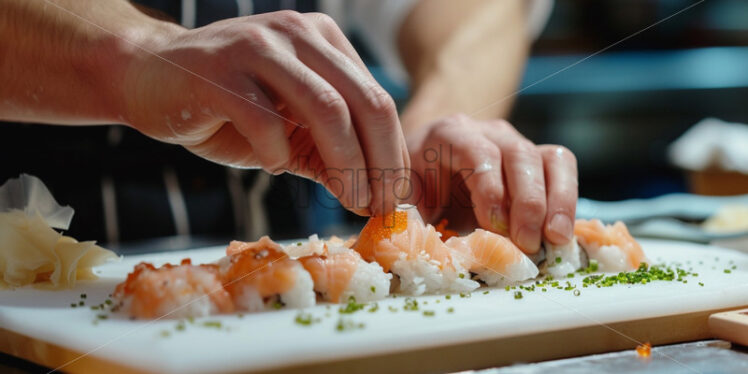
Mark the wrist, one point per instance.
(109, 61)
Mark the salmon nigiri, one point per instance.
(611, 246)
(259, 274)
(401, 243)
(339, 272)
(173, 291)
(494, 258)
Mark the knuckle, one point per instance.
(331, 106)
(380, 103)
(503, 125)
(323, 21)
(524, 147)
(256, 38)
(533, 206)
(292, 21)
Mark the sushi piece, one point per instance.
(560, 260)
(494, 258)
(340, 273)
(172, 291)
(612, 246)
(259, 275)
(401, 243)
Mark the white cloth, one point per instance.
(712, 143)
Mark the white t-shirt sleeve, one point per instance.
(378, 22)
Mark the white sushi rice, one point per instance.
(369, 283)
(572, 258)
(422, 276)
(301, 295)
(513, 273)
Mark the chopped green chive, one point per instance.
(411, 304)
(351, 307)
(517, 294)
(213, 324)
(428, 313)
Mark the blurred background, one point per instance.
(617, 111)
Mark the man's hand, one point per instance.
(283, 91)
(486, 172)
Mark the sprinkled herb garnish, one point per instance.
(643, 275)
(465, 295)
(701, 284)
(429, 313)
(83, 296)
(277, 305)
(298, 244)
(577, 293)
(373, 289)
(180, 326)
(462, 276)
(351, 307)
(558, 260)
(81, 303)
(727, 271)
(450, 310)
(305, 319)
(73, 305)
(213, 324)
(517, 294)
(411, 304)
(347, 325)
(373, 308)
(485, 292)
(392, 309)
(165, 333)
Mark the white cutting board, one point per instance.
(41, 325)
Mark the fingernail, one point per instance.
(561, 226)
(528, 238)
(498, 220)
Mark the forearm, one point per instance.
(64, 61)
(463, 57)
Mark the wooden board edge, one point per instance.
(474, 355)
(526, 348)
(54, 356)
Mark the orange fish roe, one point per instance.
(378, 228)
(644, 350)
(441, 228)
